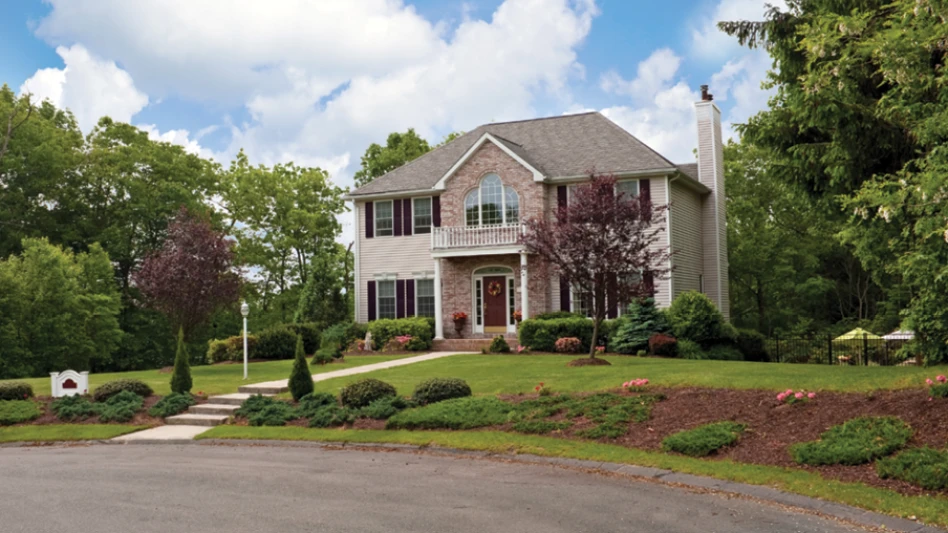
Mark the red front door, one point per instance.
(495, 304)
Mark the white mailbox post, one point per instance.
(69, 383)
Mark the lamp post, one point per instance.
(244, 311)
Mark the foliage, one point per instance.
(459, 413)
(541, 335)
(751, 345)
(690, 350)
(356, 331)
(567, 345)
(15, 390)
(332, 416)
(311, 333)
(266, 411)
(301, 379)
(602, 245)
(499, 345)
(857, 441)
(400, 148)
(539, 427)
(384, 408)
(58, 310)
(18, 411)
(324, 356)
(440, 389)
(311, 403)
(111, 388)
(365, 391)
(172, 404)
(276, 343)
(554, 315)
(120, 408)
(938, 391)
(181, 375)
(192, 275)
(703, 440)
(72, 408)
(924, 467)
(663, 345)
(694, 316)
(231, 349)
(723, 352)
(322, 299)
(633, 329)
(611, 413)
(334, 337)
(383, 330)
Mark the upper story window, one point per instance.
(629, 189)
(492, 204)
(384, 219)
(421, 214)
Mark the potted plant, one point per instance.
(460, 318)
(518, 317)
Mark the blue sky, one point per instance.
(316, 82)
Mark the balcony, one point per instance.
(502, 239)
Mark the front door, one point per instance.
(495, 304)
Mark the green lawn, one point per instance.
(928, 509)
(217, 379)
(64, 432)
(497, 374)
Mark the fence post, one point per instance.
(865, 347)
(829, 344)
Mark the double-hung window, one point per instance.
(425, 297)
(386, 298)
(384, 219)
(627, 189)
(421, 213)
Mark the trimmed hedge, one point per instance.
(439, 389)
(694, 316)
(703, 440)
(18, 411)
(540, 335)
(556, 315)
(231, 349)
(365, 391)
(855, 442)
(111, 388)
(923, 467)
(385, 329)
(15, 390)
(276, 343)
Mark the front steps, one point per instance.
(472, 345)
(215, 412)
(191, 419)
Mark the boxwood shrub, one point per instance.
(703, 440)
(439, 389)
(114, 387)
(857, 441)
(18, 411)
(694, 316)
(540, 335)
(276, 343)
(923, 467)
(15, 390)
(385, 329)
(365, 391)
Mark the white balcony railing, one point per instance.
(472, 237)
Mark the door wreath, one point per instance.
(494, 288)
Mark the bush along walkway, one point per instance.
(219, 409)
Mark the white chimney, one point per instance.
(713, 214)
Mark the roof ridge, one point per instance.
(537, 119)
(505, 139)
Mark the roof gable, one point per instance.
(512, 149)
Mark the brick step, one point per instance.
(213, 409)
(468, 345)
(189, 419)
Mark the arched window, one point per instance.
(492, 204)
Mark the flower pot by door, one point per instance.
(495, 304)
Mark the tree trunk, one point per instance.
(595, 337)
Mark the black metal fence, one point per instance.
(829, 351)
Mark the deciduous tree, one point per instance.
(399, 149)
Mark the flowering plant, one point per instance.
(459, 316)
(521, 349)
(600, 349)
(517, 315)
(635, 385)
(791, 397)
(541, 390)
(403, 339)
(937, 388)
(567, 345)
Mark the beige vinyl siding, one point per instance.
(663, 295)
(686, 243)
(713, 220)
(402, 256)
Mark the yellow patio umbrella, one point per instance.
(857, 334)
(853, 344)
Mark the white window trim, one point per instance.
(375, 218)
(571, 186)
(479, 275)
(431, 214)
(424, 278)
(503, 203)
(386, 278)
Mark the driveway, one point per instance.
(211, 489)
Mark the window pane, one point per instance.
(581, 302)
(383, 219)
(470, 208)
(512, 298)
(426, 297)
(422, 215)
(627, 189)
(477, 301)
(512, 204)
(492, 191)
(386, 299)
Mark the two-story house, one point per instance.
(439, 235)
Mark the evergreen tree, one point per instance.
(301, 380)
(181, 377)
(635, 327)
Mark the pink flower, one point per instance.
(626, 384)
(798, 395)
(811, 395)
(788, 392)
(929, 382)
(781, 397)
(942, 379)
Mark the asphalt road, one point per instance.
(211, 489)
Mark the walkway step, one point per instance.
(213, 409)
(264, 388)
(163, 434)
(188, 419)
(236, 398)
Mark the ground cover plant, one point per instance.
(459, 413)
(704, 440)
(73, 408)
(121, 407)
(857, 441)
(172, 404)
(18, 411)
(925, 467)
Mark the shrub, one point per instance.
(111, 388)
(751, 345)
(72, 408)
(663, 345)
(332, 416)
(15, 390)
(334, 338)
(568, 345)
(499, 345)
(703, 440)
(171, 405)
(276, 343)
(857, 441)
(541, 334)
(459, 413)
(693, 316)
(309, 404)
(18, 411)
(301, 379)
(266, 411)
(384, 329)
(440, 389)
(556, 315)
(924, 467)
(364, 392)
(938, 388)
(254, 405)
(311, 333)
(383, 408)
(723, 352)
(356, 331)
(231, 349)
(323, 356)
(690, 350)
(181, 375)
(417, 344)
(634, 328)
(120, 407)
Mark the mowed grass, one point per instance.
(64, 432)
(931, 510)
(217, 379)
(498, 374)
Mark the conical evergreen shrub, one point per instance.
(301, 381)
(181, 377)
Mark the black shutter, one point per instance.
(436, 211)
(369, 221)
(406, 214)
(397, 216)
(612, 295)
(410, 297)
(645, 190)
(371, 293)
(564, 294)
(400, 298)
(649, 280)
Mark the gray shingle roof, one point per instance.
(689, 169)
(569, 145)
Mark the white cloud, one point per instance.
(709, 42)
(180, 137)
(88, 85)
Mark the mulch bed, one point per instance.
(142, 418)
